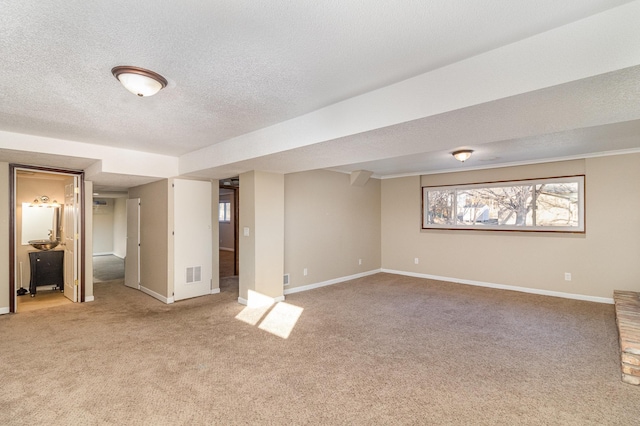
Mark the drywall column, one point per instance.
(88, 241)
(215, 231)
(4, 237)
(261, 238)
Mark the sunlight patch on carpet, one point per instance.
(278, 319)
(281, 320)
(252, 316)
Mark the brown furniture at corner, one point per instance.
(47, 268)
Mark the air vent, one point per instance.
(286, 279)
(194, 274)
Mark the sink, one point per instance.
(44, 244)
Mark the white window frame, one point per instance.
(580, 228)
(225, 219)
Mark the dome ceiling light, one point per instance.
(139, 81)
(462, 155)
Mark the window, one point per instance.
(224, 211)
(553, 204)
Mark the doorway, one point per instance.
(228, 221)
(109, 232)
(46, 238)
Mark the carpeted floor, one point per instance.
(107, 268)
(383, 349)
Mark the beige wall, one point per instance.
(262, 252)
(103, 218)
(215, 233)
(154, 236)
(605, 258)
(4, 237)
(247, 243)
(88, 241)
(120, 227)
(329, 226)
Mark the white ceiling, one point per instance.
(391, 87)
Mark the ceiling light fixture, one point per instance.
(462, 155)
(139, 81)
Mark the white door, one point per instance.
(71, 229)
(192, 238)
(132, 259)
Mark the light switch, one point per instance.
(245, 231)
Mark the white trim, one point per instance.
(88, 299)
(4, 311)
(504, 287)
(226, 249)
(330, 282)
(156, 295)
(278, 299)
(105, 254)
(215, 290)
(243, 301)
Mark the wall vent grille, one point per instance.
(286, 279)
(194, 274)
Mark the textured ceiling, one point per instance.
(236, 67)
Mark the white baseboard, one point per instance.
(156, 295)
(330, 282)
(504, 287)
(4, 310)
(243, 301)
(226, 249)
(109, 254)
(89, 299)
(215, 290)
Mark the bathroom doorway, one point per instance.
(46, 240)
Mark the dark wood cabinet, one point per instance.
(47, 268)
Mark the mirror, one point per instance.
(39, 222)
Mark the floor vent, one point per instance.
(194, 274)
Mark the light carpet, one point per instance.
(383, 349)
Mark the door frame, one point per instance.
(12, 226)
(236, 224)
(127, 261)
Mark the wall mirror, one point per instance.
(39, 222)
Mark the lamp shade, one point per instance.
(139, 81)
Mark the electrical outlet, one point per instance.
(304, 272)
(567, 276)
(359, 261)
(416, 260)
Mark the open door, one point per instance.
(132, 259)
(71, 233)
